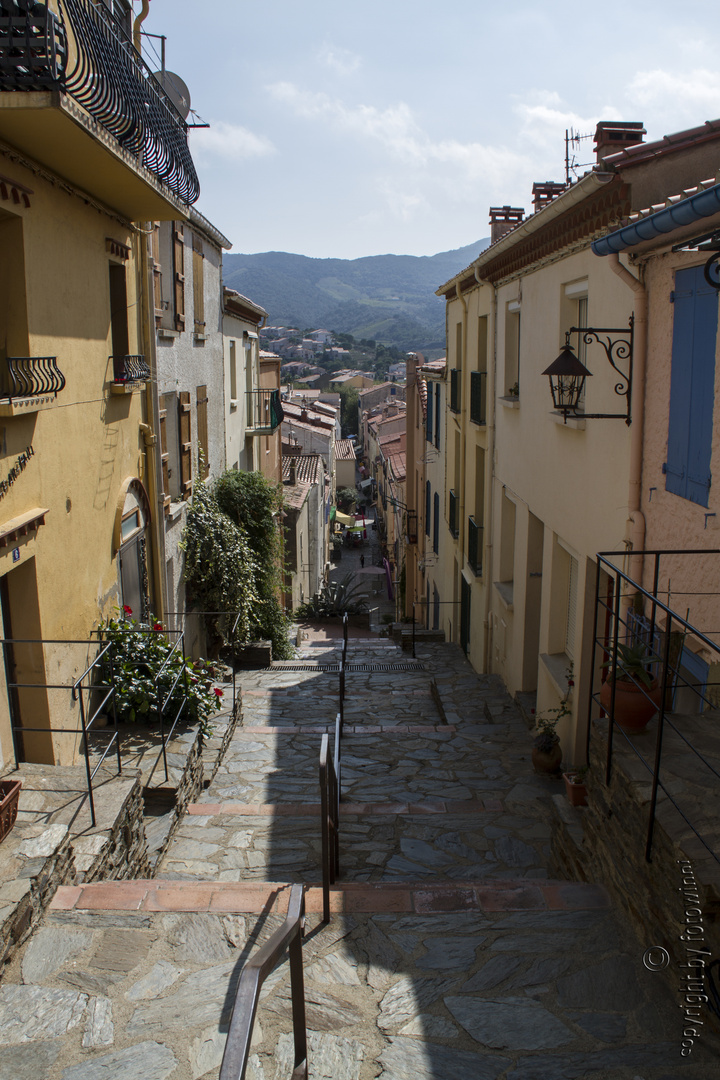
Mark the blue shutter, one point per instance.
(692, 386)
(429, 429)
(427, 507)
(436, 523)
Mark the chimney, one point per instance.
(292, 477)
(614, 135)
(544, 192)
(503, 219)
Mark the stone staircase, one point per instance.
(452, 955)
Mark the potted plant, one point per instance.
(575, 786)
(637, 694)
(546, 751)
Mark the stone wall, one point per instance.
(605, 843)
(123, 852)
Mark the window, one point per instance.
(436, 522)
(512, 348)
(428, 494)
(453, 514)
(455, 383)
(233, 376)
(165, 458)
(574, 312)
(571, 621)
(692, 386)
(118, 311)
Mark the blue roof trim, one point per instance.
(702, 205)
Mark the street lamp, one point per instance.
(567, 377)
(567, 374)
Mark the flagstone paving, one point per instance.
(451, 955)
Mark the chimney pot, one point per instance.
(503, 219)
(614, 135)
(544, 191)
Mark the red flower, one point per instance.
(127, 610)
(157, 626)
(218, 692)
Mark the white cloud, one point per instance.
(230, 141)
(396, 129)
(339, 60)
(696, 92)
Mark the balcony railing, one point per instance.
(84, 53)
(475, 534)
(478, 397)
(453, 519)
(265, 411)
(129, 369)
(455, 380)
(32, 376)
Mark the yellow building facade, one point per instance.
(80, 181)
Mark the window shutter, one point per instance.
(429, 428)
(185, 438)
(165, 458)
(436, 523)
(427, 507)
(202, 432)
(179, 274)
(572, 609)
(692, 387)
(198, 285)
(437, 415)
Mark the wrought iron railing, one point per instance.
(265, 411)
(85, 53)
(330, 792)
(95, 697)
(453, 514)
(455, 379)
(287, 939)
(475, 534)
(478, 397)
(660, 635)
(30, 376)
(128, 369)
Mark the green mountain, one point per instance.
(390, 298)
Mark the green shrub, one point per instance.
(133, 665)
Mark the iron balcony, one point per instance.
(129, 369)
(29, 384)
(76, 96)
(265, 411)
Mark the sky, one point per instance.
(365, 127)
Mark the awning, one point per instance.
(695, 208)
(344, 519)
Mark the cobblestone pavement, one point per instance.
(452, 955)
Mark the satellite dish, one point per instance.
(176, 90)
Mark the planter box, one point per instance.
(9, 795)
(576, 793)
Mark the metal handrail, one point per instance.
(78, 691)
(330, 794)
(669, 674)
(288, 937)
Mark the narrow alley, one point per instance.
(452, 953)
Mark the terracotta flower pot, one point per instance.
(547, 762)
(9, 795)
(635, 705)
(576, 791)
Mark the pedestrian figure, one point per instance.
(362, 561)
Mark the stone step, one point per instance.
(157, 894)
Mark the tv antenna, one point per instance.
(572, 149)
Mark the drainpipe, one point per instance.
(463, 429)
(489, 477)
(137, 40)
(635, 529)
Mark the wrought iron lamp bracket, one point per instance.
(618, 345)
(711, 270)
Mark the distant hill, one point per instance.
(390, 298)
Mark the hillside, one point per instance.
(390, 298)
